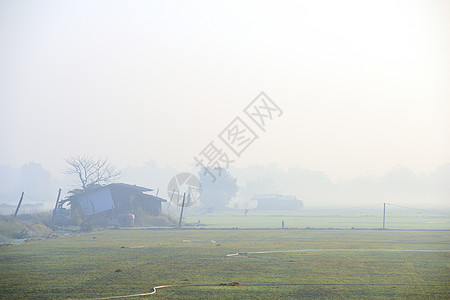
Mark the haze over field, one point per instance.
(148, 84)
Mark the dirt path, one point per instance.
(336, 250)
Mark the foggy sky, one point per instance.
(363, 86)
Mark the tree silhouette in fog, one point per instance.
(91, 172)
(217, 194)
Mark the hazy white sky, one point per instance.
(364, 85)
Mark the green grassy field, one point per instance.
(343, 219)
(120, 262)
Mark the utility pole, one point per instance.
(384, 216)
(56, 205)
(170, 202)
(57, 199)
(18, 205)
(182, 207)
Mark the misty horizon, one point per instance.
(400, 186)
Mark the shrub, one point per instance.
(13, 229)
(37, 217)
(147, 220)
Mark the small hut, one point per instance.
(111, 203)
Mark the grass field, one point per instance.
(344, 219)
(120, 262)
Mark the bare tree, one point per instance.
(91, 172)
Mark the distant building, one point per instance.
(106, 204)
(274, 202)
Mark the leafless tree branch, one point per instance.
(91, 172)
